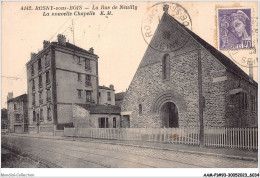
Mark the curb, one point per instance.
(151, 147)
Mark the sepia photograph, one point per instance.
(133, 84)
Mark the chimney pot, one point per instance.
(45, 43)
(112, 87)
(61, 39)
(91, 50)
(33, 55)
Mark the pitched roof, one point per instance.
(228, 63)
(21, 98)
(74, 47)
(101, 109)
(119, 96)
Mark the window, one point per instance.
(244, 102)
(253, 103)
(87, 64)
(32, 70)
(17, 117)
(166, 67)
(88, 80)
(40, 98)
(140, 109)
(103, 122)
(34, 116)
(15, 107)
(33, 85)
(47, 77)
(41, 115)
(108, 96)
(40, 81)
(79, 93)
(47, 61)
(49, 118)
(39, 64)
(33, 99)
(79, 77)
(77, 59)
(99, 94)
(88, 96)
(48, 95)
(114, 122)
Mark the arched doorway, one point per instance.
(169, 115)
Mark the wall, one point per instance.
(103, 99)
(67, 79)
(148, 85)
(83, 119)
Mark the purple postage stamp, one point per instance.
(234, 29)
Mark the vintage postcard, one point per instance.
(143, 84)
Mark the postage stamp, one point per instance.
(234, 29)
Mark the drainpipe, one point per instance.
(200, 99)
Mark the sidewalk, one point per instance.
(192, 149)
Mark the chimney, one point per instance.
(45, 43)
(251, 72)
(91, 50)
(111, 87)
(33, 55)
(61, 39)
(10, 95)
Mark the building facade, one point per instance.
(58, 76)
(17, 109)
(106, 95)
(182, 78)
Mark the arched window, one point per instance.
(140, 109)
(166, 66)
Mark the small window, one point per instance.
(49, 114)
(41, 115)
(87, 64)
(40, 81)
(15, 107)
(88, 80)
(17, 117)
(34, 116)
(79, 93)
(140, 109)
(114, 122)
(32, 70)
(99, 94)
(79, 77)
(88, 96)
(33, 99)
(33, 84)
(166, 67)
(47, 77)
(78, 59)
(48, 95)
(39, 64)
(108, 96)
(253, 103)
(244, 101)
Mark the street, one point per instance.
(76, 154)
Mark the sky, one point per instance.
(116, 39)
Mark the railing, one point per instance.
(242, 138)
(170, 135)
(245, 138)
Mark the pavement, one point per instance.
(251, 155)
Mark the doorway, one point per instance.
(169, 115)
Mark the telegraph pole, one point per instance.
(200, 99)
